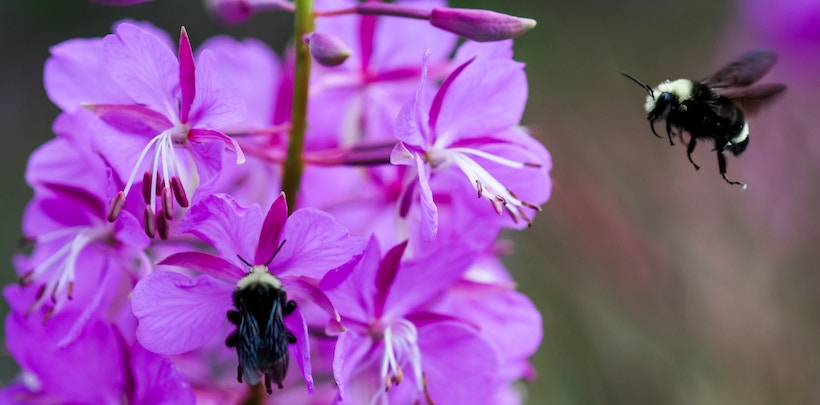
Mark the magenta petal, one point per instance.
(215, 105)
(187, 77)
(144, 67)
(348, 358)
(208, 135)
(229, 227)
(132, 119)
(75, 74)
(299, 288)
(354, 297)
(157, 380)
(449, 349)
(445, 265)
(271, 230)
(207, 264)
(178, 314)
(316, 244)
(295, 323)
(89, 370)
(429, 211)
(487, 97)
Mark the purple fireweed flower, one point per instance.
(255, 72)
(102, 366)
(77, 253)
(178, 314)
(176, 106)
(508, 319)
(471, 125)
(360, 98)
(393, 336)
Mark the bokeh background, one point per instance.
(658, 284)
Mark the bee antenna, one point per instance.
(244, 261)
(277, 251)
(630, 77)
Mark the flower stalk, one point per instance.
(294, 165)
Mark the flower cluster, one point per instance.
(212, 215)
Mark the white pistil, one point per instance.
(486, 185)
(401, 345)
(68, 255)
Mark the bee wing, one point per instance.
(747, 69)
(752, 99)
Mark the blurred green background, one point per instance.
(658, 284)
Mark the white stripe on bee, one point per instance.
(681, 89)
(259, 274)
(744, 133)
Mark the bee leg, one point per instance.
(289, 307)
(722, 167)
(239, 373)
(669, 134)
(267, 384)
(690, 149)
(652, 126)
(291, 337)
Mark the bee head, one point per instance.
(668, 95)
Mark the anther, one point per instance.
(70, 290)
(179, 192)
(115, 207)
(148, 222)
(25, 279)
(146, 187)
(162, 225)
(167, 203)
(479, 187)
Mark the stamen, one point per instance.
(116, 206)
(149, 226)
(162, 225)
(479, 187)
(167, 204)
(179, 192)
(146, 187)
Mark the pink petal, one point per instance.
(178, 314)
(348, 358)
(187, 75)
(487, 97)
(76, 74)
(316, 244)
(207, 264)
(413, 288)
(401, 41)
(66, 371)
(271, 230)
(295, 323)
(207, 135)
(411, 125)
(144, 67)
(157, 380)
(386, 274)
(429, 211)
(303, 291)
(459, 365)
(354, 297)
(215, 105)
(133, 119)
(229, 227)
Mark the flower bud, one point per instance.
(238, 11)
(480, 25)
(327, 49)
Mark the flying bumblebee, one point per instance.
(714, 108)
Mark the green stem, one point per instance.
(294, 164)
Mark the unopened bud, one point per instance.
(238, 11)
(480, 25)
(327, 49)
